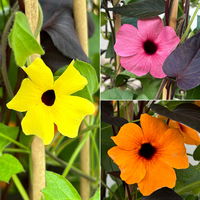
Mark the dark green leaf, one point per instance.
(9, 166)
(186, 113)
(141, 8)
(107, 143)
(107, 115)
(163, 194)
(188, 180)
(193, 93)
(196, 154)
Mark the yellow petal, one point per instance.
(68, 113)
(27, 96)
(158, 175)
(38, 121)
(40, 74)
(70, 81)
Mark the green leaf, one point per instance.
(117, 93)
(141, 8)
(188, 180)
(107, 143)
(9, 166)
(193, 93)
(88, 72)
(59, 188)
(96, 195)
(9, 132)
(196, 154)
(22, 41)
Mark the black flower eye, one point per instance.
(150, 47)
(147, 151)
(48, 97)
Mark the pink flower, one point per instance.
(145, 49)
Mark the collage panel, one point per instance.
(49, 100)
(150, 150)
(150, 49)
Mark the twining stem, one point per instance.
(14, 150)
(37, 146)
(4, 42)
(14, 141)
(73, 169)
(75, 153)
(20, 187)
(190, 24)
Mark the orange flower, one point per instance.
(190, 135)
(147, 155)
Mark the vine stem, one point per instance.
(37, 146)
(20, 187)
(190, 24)
(81, 24)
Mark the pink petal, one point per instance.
(167, 40)
(156, 68)
(150, 28)
(127, 41)
(137, 64)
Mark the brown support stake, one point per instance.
(172, 23)
(80, 15)
(117, 23)
(37, 147)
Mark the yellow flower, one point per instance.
(50, 102)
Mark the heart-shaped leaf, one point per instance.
(163, 194)
(9, 166)
(59, 24)
(183, 64)
(141, 8)
(107, 115)
(186, 113)
(58, 187)
(22, 41)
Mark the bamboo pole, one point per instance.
(172, 23)
(37, 147)
(80, 15)
(117, 23)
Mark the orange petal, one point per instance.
(153, 128)
(172, 150)
(129, 137)
(190, 135)
(158, 175)
(132, 168)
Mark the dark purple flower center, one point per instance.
(147, 151)
(150, 47)
(48, 97)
